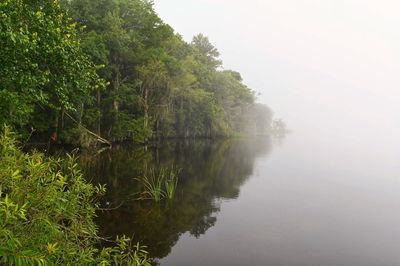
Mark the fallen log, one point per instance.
(99, 139)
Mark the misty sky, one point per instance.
(328, 65)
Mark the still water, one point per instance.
(297, 200)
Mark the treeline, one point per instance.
(74, 69)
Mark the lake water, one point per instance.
(298, 200)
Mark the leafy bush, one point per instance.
(47, 210)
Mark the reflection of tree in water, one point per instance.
(211, 171)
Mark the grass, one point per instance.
(153, 184)
(160, 184)
(171, 182)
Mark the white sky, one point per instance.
(329, 65)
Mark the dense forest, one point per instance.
(74, 70)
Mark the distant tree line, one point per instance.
(74, 69)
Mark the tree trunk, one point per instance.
(146, 111)
(116, 88)
(157, 129)
(180, 119)
(54, 135)
(116, 84)
(99, 118)
(62, 118)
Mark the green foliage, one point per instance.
(42, 67)
(124, 254)
(153, 185)
(47, 210)
(57, 57)
(78, 136)
(130, 39)
(171, 182)
(178, 89)
(158, 184)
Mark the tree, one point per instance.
(43, 71)
(50, 68)
(132, 38)
(279, 126)
(153, 87)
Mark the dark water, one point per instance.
(261, 201)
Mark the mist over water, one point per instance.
(327, 193)
(305, 199)
(328, 68)
(323, 200)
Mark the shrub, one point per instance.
(47, 210)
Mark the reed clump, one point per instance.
(159, 183)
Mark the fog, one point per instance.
(328, 68)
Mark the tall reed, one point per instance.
(171, 182)
(160, 184)
(153, 184)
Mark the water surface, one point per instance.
(300, 200)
